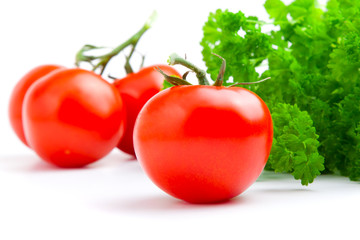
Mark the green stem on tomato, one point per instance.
(127, 66)
(249, 83)
(200, 74)
(104, 59)
(174, 80)
(220, 78)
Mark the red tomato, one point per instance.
(203, 144)
(17, 97)
(135, 90)
(72, 117)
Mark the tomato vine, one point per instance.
(100, 62)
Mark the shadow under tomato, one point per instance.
(25, 163)
(32, 163)
(162, 203)
(42, 166)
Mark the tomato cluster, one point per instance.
(199, 143)
(73, 117)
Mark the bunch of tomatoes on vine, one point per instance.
(199, 143)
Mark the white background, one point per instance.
(113, 199)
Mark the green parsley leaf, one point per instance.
(239, 40)
(295, 144)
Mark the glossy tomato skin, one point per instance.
(73, 117)
(135, 90)
(18, 94)
(203, 144)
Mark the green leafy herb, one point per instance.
(313, 59)
(295, 144)
(222, 35)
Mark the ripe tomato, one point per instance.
(17, 97)
(72, 117)
(136, 89)
(203, 144)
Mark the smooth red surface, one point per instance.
(18, 94)
(73, 117)
(135, 90)
(203, 144)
